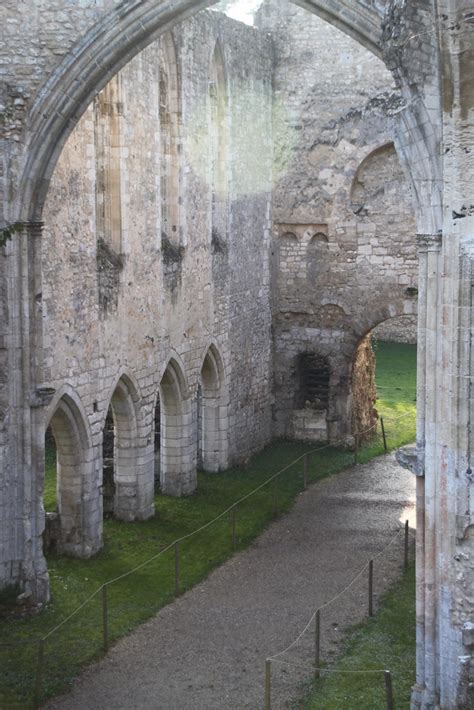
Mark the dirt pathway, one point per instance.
(206, 651)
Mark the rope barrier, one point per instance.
(327, 670)
(209, 524)
(339, 594)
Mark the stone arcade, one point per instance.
(168, 263)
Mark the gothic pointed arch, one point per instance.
(213, 414)
(79, 520)
(128, 456)
(177, 442)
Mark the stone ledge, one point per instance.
(408, 458)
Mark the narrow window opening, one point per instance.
(314, 381)
(108, 478)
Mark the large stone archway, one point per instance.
(88, 48)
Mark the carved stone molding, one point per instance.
(429, 242)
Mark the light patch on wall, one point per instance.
(250, 140)
(241, 10)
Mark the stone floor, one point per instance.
(207, 650)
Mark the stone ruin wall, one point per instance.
(344, 246)
(113, 312)
(151, 316)
(397, 330)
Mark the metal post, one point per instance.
(39, 674)
(105, 618)
(176, 569)
(389, 690)
(384, 435)
(234, 536)
(356, 448)
(405, 557)
(317, 643)
(305, 471)
(371, 588)
(268, 685)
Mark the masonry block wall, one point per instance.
(54, 58)
(136, 306)
(344, 244)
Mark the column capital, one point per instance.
(34, 229)
(429, 242)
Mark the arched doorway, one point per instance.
(213, 418)
(75, 528)
(177, 434)
(128, 459)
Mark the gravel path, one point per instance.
(206, 651)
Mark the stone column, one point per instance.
(26, 402)
(429, 270)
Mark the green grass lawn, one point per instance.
(126, 545)
(386, 641)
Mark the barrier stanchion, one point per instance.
(274, 499)
(317, 643)
(105, 618)
(383, 435)
(305, 471)
(371, 588)
(176, 569)
(234, 536)
(39, 674)
(389, 690)
(405, 554)
(268, 685)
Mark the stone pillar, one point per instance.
(428, 288)
(24, 480)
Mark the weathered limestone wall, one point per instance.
(344, 247)
(364, 392)
(114, 315)
(51, 65)
(397, 330)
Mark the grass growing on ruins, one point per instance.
(139, 596)
(386, 641)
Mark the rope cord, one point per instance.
(205, 526)
(327, 670)
(339, 594)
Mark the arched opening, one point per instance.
(73, 521)
(157, 441)
(212, 405)
(177, 434)
(108, 468)
(383, 380)
(127, 483)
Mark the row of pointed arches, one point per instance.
(112, 461)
